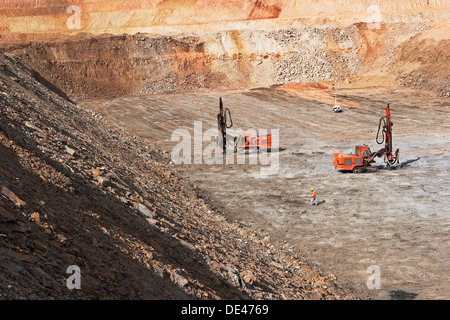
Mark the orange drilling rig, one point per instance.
(242, 143)
(361, 160)
(247, 142)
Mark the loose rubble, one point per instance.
(84, 68)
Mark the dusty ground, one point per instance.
(397, 220)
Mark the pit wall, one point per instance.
(108, 66)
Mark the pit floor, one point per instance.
(395, 221)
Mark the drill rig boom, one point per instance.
(389, 158)
(363, 157)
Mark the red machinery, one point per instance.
(244, 142)
(361, 160)
(247, 142)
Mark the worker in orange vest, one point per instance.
(313, 197)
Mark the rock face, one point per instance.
(112, 66)
(44, 19)
(76, 194)
(108, 66)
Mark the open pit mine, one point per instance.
(167, 149)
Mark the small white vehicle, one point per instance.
(337, 109)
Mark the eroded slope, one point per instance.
(76, 192)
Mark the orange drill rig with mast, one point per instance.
(361, 160)
(242, 143)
